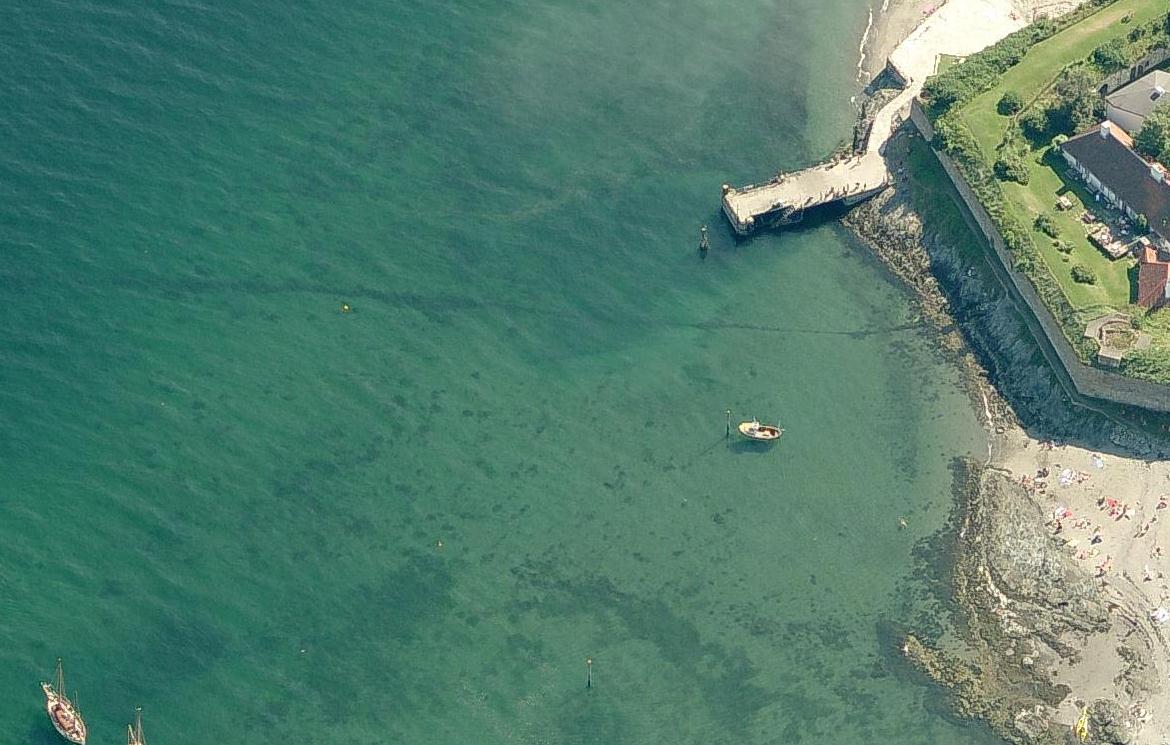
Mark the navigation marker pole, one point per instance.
(728, 424)
(589, 674)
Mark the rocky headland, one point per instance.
(1058, 590)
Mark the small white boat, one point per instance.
(62, 712)
(753, 430)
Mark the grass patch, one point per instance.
(928, 177)
(1048, 182)
(1153, 363)
(946, 62)
(1045, 60)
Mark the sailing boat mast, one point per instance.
(60, 681)
(134, 733)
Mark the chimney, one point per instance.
(1159, 91)
(1157, 172)
(1105, 130)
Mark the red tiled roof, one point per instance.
(1152, 276)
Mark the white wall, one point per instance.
(1128, 121)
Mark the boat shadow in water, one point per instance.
(41, 732)
(752, 447)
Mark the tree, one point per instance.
(1011, 167)
(1035, 123)
(1083, 275)
(1078, 105)
(1153, 139)
(1009, 103)
(1110, 56)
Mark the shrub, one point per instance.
(1035, 123)
(1063, 246)
(1142, 224)
(1009, 103)
(1110, 56)
(1153, 139)
(1083, 274)
(1011, 167)
(1047, 225)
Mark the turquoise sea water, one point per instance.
(223, 499)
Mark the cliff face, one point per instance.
(1029, 615)
(960, 295)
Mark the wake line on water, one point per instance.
(856, 333)
(865, 39)
(436, 306)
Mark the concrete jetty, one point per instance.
(784, 200)
(959, 28)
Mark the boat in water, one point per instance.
(753, 430)
(63, 713)
(134, 732)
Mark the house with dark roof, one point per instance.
(1104, 157)
(1129, 106)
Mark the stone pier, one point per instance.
(958, 28)
(784, 200)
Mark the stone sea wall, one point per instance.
(1088, 381)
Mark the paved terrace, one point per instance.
(959, 28)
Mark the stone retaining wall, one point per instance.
(1089, 381)
(1135, 71)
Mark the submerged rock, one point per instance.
(1023, 602)
(1109, 725)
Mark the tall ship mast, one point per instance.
(134, 732)
(63, 713)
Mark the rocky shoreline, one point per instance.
(1027, 611)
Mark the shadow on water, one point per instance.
(750, 447)
(42, 733)
(814, 219)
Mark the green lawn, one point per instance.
(1045, 60)
(1030, 78)
(945, 62)
(1048, 183)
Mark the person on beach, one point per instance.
(1104, 566)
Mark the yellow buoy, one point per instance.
(345, 308)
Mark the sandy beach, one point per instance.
(1093, 527)
(892, 21)
(1112, 515)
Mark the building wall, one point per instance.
(1124, 77)
(1127, 120)
(1087, 381)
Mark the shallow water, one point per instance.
(224, 498)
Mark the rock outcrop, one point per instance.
(1024, 604)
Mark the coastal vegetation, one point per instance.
(1153, 139)
(1001, 116)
